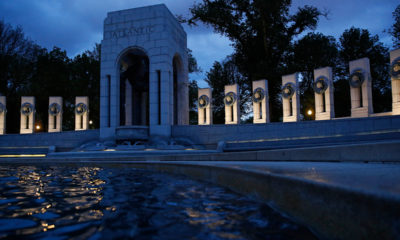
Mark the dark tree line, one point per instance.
(269, 42)
(27, 69)
(395, 29)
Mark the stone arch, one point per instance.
(133, 67)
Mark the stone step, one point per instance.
(310, 141)
(23, 150)
(132, 133)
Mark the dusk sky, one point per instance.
(76, 25)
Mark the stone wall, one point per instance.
(211, 135)
(62, 140)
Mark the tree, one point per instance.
(193, 88)
(50, 77)
(261, 32)
(221, 74)
(395, 30)
(313, 51)
(17, 53)
(85, 80)
(342, 98)
(358, 43)
(55, 74)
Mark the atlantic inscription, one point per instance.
(133, 31)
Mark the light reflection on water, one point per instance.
(93, 203)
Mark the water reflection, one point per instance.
(91, 202)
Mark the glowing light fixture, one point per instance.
(38, 127)
(309, 112)
(109, 150)
(22, 155)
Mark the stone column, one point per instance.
(3, 111)
(395, 76)
(128, 103)
(323, 88)
(27, 115)
(360, 88)
(144, 110)
(81, 113)
(161, 100)
(184, 100)
(55, 114)
(260, 101)
(155, 95)
(204, 106)
(232, 107)
(166, 98)
(290, 98)
(105, 90)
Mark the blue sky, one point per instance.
(76, 25)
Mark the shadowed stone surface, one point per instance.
(337, 200)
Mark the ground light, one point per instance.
(21, 155)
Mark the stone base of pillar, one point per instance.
(359, 112)
(396, 108)
(323, 116)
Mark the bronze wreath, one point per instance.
(288, 90)
(54, 109)
(320, 84)
(230, 99)
(203, 101)
(258, 95)
(80, 108)
(26, 109)
(395, 69)
(357, 78)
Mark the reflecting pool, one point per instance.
(88, 202)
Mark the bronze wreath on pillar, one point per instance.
(395, 69)
(230, 99)
(357, 78)
(203, 101)
(258, 95)
(288, 90)
(54, 109)
(320, 85)
(80, 108)
(26, 109)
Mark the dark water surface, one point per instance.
(75, 202)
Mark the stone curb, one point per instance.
(367, 152)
